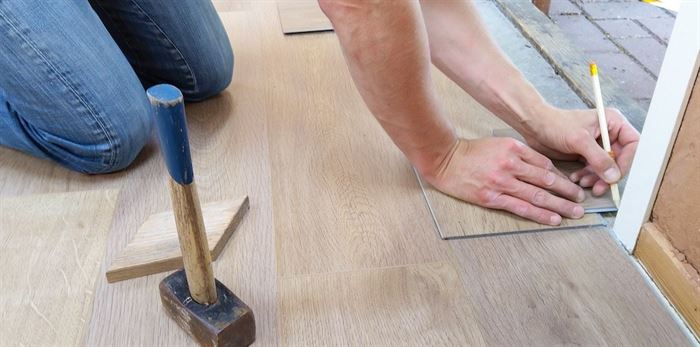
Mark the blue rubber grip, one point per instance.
(169, 110)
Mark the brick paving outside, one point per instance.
(626, 38)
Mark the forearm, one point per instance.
(386, 48)
(461, 47)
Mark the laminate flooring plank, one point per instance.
(345, 196)
(229, 151)
(592, 204)
(455, 218)
(414, 305)
(51, 246)
(567, 287)
(301, 16)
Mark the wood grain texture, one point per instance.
(416, 305)
(592, 204)
(564, 287)
(568, 60)
(670, 270)
(345, 197)
(301, 16)
(155, 247)
(455, 218)
(196, 257)
(678, 200)
(51, 246)
(228, 140)
(346, 208)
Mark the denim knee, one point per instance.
(131, 130)
(121, 137)
(213, 73)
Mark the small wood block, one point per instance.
(155, 247)
(228, 322)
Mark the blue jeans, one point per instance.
(73, 73)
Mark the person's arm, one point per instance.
(462, 49)
(385, 44)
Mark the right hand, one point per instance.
(505, 174)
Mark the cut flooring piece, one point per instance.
(561, 288)
(51, 247)
(455, 218)
(415, 305)
(302, 16)
(592, 204)
(155, 248)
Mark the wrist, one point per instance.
(534, 118)
(431, 162)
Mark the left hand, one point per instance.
(572, 134)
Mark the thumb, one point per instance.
(597, 158)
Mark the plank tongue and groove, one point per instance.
(51, 246)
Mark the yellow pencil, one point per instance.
(603, 123)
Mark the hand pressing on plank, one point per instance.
(572, 135)
(505, 174)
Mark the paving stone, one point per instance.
(584, 34)
(630, 10)
(662, 27)
(563, 7)
(647, 50)
(622, 28)
(630, 76)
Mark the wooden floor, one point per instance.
(338, 246)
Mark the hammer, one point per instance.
(201, 305)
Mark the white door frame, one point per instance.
(676, 79)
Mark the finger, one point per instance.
(596, 157)
(546, 179)
(578, 174)
(535, 158)
(588, 180)
(544, 199)
(600, 187)
(526, 210)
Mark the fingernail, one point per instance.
(611, 175)
(555, 219)
(549, 178)
(581, 196)
(578, 212)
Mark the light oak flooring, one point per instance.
(338, 247)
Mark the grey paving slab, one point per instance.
(635, 10)
(647, 50)
(563, 7)
(585, 35)
(661, 27)
(527, 58)
(632, 78)
(622, 28)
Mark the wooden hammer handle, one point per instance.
(168, 106)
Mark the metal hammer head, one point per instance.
(228, 322)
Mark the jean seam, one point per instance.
(65, 81)
(111, 19)
(165, 36)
